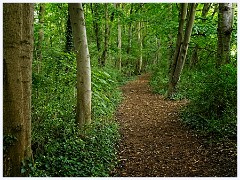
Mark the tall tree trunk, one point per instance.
(182, 17)
(69, 40)
(225, 23)
(17, 71)
(183, 51)
(40, 34)
(130, 32)
(95, 9)
(83, 64)
(119, 42)
(106, 38)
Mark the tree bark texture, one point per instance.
(83, 115)
(225, 23)
(183, 50)
(17, 79)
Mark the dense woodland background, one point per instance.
(124, 40)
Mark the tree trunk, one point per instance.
(106, 39)
(183, 51)
(17, 78)
(95, 9)
(130, 32)
(182, 17)
(141, 46)
(40, 34)
(225, 23)
(69, 40)
(83, 115)
(119, 42)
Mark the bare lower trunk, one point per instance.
(83, 64)
(17, 60)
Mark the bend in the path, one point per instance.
(154, 141)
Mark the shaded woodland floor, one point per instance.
(156, 143)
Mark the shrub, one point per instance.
(213, 106)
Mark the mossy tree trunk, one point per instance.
(17, 79)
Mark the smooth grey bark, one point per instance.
(83, 115)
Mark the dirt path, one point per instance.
(155, 142)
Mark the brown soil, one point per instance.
(156, 143)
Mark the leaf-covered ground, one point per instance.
(156, 143)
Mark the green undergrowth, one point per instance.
(212, 94)
(212, 110)
(59, 147)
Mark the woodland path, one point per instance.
(156, 143)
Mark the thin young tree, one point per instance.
(17, 79)
(83, 115)
(119, 41)
(106, 37)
